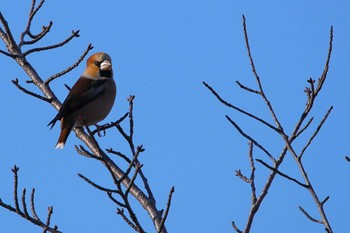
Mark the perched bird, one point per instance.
(90, 99)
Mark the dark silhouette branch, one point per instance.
(45, 29)
(305, 127)
(72, 67)
(16, 83)
(312, 92)
(39, 49)
(315, 133)
(24, 213)
(281, 173)
(239, 109)
(250, 138)
(172, 190)
(309, 216)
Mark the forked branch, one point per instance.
(312, 92)
(23, 210)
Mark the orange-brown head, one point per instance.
(97, 65)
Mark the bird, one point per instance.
(90, 99)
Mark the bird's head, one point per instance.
(99, 66)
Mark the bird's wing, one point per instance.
(83, 92)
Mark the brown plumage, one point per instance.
(90, 99)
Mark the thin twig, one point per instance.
(121, 213)
(309, 216)
(262, 93)
(111, 151)
(239, 109)
(16, 83)
(316, 132)
(282, 174)
(325, 200)
(243, 177)
(96, 185)
(24, 205)
(74, 34)
(112, 124)
(131, 164)
(82, 151)
(7, 36)
(6, 53)
(110, 195)
(250, 139)
(133, 178)
(32, 204)
(235, 227)
(252, 175)
(76, 64)
(172, 190)
(24, 214)
(15, 189)
(305, 127)
(247, 88)
(49, 214)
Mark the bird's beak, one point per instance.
(106, 65)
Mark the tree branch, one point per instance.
(24, 214)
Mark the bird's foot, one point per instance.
(99, 128)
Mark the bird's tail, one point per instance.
(63, 136)
(53, 122)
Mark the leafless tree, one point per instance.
(303, 122)
(124, 180)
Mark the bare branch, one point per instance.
(309, 216)
(110, 195)
(323, 77)
(133, 178)
(6, 53)
(16, 83)
(15, 189)
(45, 30)
(316, 132)
(6, 35)
(281, 173)
(32, 205)
(243, 177)
(81, 58)
(24, 214)
(121, 213)
(112, 124)
(132, 163)
(74, 34)
(82, 151)
(24, 203)
(250, 138)
(325, 200)
(235, 227)
(119, 154)
(247, 88)
(305, 127)
(96, 185)
(172, 190)
(279, 126)
(239, 109)
(252, 174)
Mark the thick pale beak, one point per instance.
(106, 65)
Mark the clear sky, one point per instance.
(162, 51)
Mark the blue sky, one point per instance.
(162, 51)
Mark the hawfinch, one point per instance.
(90, 99)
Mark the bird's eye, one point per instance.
(97, 63)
